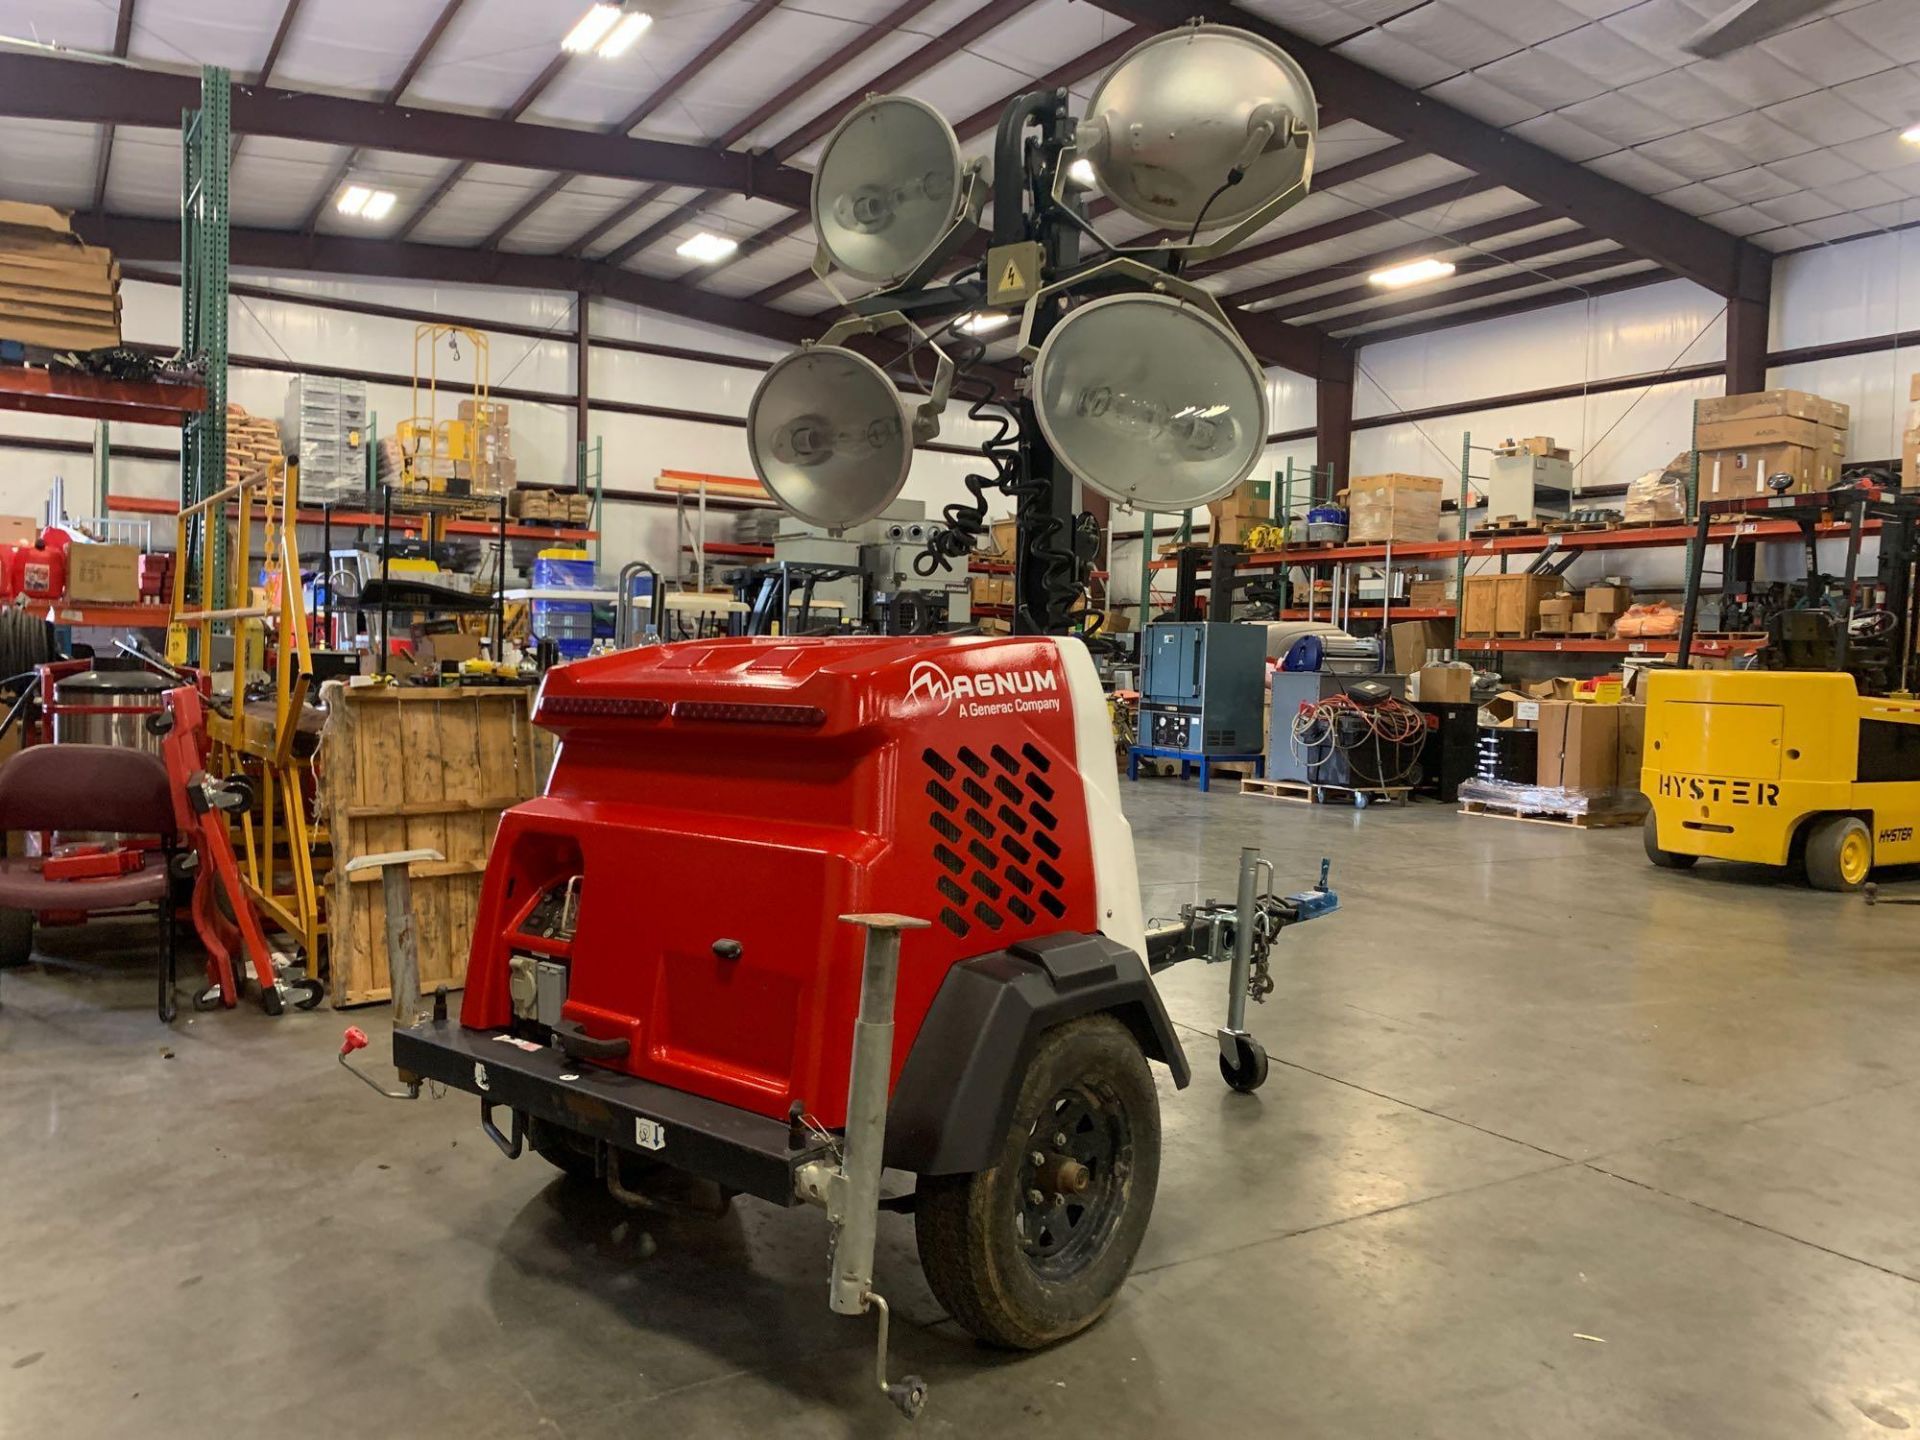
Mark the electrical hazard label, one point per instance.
(1010, 278)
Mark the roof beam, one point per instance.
(1677, 241)
(538, 86)
(394, 96)
(1522, 306)
(1399, 255)
(1494, 289)
(987, 18)
(103, 158)
(39, 87)
(1515, 255)
(657, 97)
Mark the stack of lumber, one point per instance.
(253, 443)
(55, 292)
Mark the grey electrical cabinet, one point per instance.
(1202, 687)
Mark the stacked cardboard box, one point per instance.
(1600, 610)
(1746, 440)
(1591, 746)
(1910, 442)
(55, 292)
(991, 589)
(556, 507)
(1234, 517)
(253, 443)
(1401, 508)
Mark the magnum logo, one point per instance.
(1729, 792)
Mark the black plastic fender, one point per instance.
(954, 1098)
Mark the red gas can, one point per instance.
(37, 572)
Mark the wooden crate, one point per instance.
(418, 769)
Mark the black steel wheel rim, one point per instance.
(1061, 1229)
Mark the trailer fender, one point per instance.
(955, 1096)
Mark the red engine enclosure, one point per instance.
(755, 790)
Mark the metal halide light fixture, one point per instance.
(1080, 173)
(363, 202)
(892, 196)
(607, 30)
(983, 321)
(1414, 272)
(829, 437)
(1203, 127)
(1151, 401)
(706, 247)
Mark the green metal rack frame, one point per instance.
(206, 136)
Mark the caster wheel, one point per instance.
(1247, 1071)
(271, 1000)
(308, 993)
(1034, 1248)
(207, 999)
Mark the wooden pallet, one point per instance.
(1579, 527)
(1586, 820)
(1308, 792)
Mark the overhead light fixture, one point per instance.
(981, 321)
(363, 202)
(1414, 272)
(609, 31)
(1151, 401)
(1911, 134)
(706, 247)
(1080, 173)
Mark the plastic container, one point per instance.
(37, 572)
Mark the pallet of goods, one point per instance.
(253, 443)
(56, 293)
(1747, 442)
(550, 507)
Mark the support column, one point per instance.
(1749, 315)
(582, 367)
(1333, 413)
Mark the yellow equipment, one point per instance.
(1780, 768)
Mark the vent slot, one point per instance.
(947, 858)
(945, 827)
(1045, 844)
(1008, 790)
(989, 916)
(952, 891)
(1012, 819)
(942, 796)
(1035, 758)
(977, 793)
(1051, 876)
(983, 825)
(1042, 814)
(986, 885)
(953, 922)
(1022, 911)
(1040, 787)
(986, 858)
(969, 892)
(1019, 881)
(938, 763)
(973, 762)
(1004, 759)
(1016, 852)
(1051, 905)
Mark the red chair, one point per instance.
(87, 787)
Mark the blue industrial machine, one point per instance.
(1201, 687)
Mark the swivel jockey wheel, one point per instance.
(1246, 1071)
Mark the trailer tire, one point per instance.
(1839, 853)
(16, 937)
(1665, 859)
(1017, 1271)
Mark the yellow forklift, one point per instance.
(1811, 760)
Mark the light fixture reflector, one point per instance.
(379, 205)
(982, 321)
(632, 26)
(706, 247)
(353, 200)
(1414, 272)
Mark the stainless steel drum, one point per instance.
(108, 707)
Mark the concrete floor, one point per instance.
(1555, 1145)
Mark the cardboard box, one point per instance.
(104, 574)
(1428, 594)
(1632, 720)
(1516, 606)
(1606, 599)
(485, 413)
(1556, 624)
(1402, 508)
(1510, 709)
(1913, 390)
(1560, 687)
(1228, 528)
(1441, 684)
(1410, 641)
(1725, 474)
(1588, 624)
(18, 530)
(1773, 405)
(1910, 460)
(1003, 539)
(1579, 745)
(1770, 430)
(1556, 607)
(1534, 445)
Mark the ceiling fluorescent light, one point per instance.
(632, 26)
(379, 205)
(353, 200)
(981, 321)
(590, 29)
(706, 247)
(1412, 273)
(1911, 134)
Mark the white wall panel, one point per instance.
(1869, 286)
(1633, 333)
(1875, 386)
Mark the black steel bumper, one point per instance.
(732, 1147)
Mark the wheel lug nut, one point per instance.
(1036, 1197)
(1058, 1201)
(1038, 1158)
(1060, 1140)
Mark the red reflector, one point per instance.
(602, 705)
(748, 714)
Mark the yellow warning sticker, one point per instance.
(1012, 279)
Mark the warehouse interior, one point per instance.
(791, 603)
